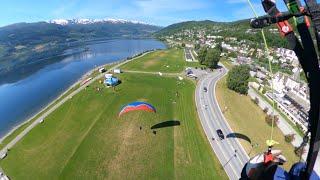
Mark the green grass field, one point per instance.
(85, 138)
(247, 118)
(168, 61)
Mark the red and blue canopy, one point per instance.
(135, 106)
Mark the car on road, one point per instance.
(220, 134)
(205, 89)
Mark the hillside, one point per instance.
(26, 43)
(239, 29)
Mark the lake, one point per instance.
(24, 98)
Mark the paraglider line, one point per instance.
(270, 69)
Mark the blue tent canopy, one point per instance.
(111, 81)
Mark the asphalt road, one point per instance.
(230, 153)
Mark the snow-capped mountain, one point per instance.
(93, 21)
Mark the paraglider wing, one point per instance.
(134, 106)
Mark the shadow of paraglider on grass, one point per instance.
(165, 124)
(239, 136)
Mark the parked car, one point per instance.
(220, 134)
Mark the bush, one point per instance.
(202, 55)
(270, 118)
(197, 46)
(212, 58)
(238, 78)
(256, 100)
(264, 91)
(265, 110)
(289, 138)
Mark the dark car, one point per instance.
(205, 89)
(220, 134)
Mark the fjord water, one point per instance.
(22, 99)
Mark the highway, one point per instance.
(230, 153)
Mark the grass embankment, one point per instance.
(85, 138)
(247, 118)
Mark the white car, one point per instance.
(3, 155)
(41, 120)
(3, 176)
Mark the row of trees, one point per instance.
(270, 119)
(209, 56)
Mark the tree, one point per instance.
(265, 110)
(238, 78)
(256, 100)
(289, 138)
(212, 58)
(264, 90)
(183, 45)
(269, 119)
(219, 47)
(233, 54)
(197, 46)
(299, 151)
(202, 55)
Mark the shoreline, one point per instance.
(46, 107)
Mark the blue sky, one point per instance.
(159, 12)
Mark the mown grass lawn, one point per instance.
(247, 118)
(85, 138)
(168, 61)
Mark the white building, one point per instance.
(296, 91)
(117, 71)
(287, 55)
(108, 75)
(261, 75)
(284, 83)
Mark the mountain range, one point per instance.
(23, 44)
(94, 21)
